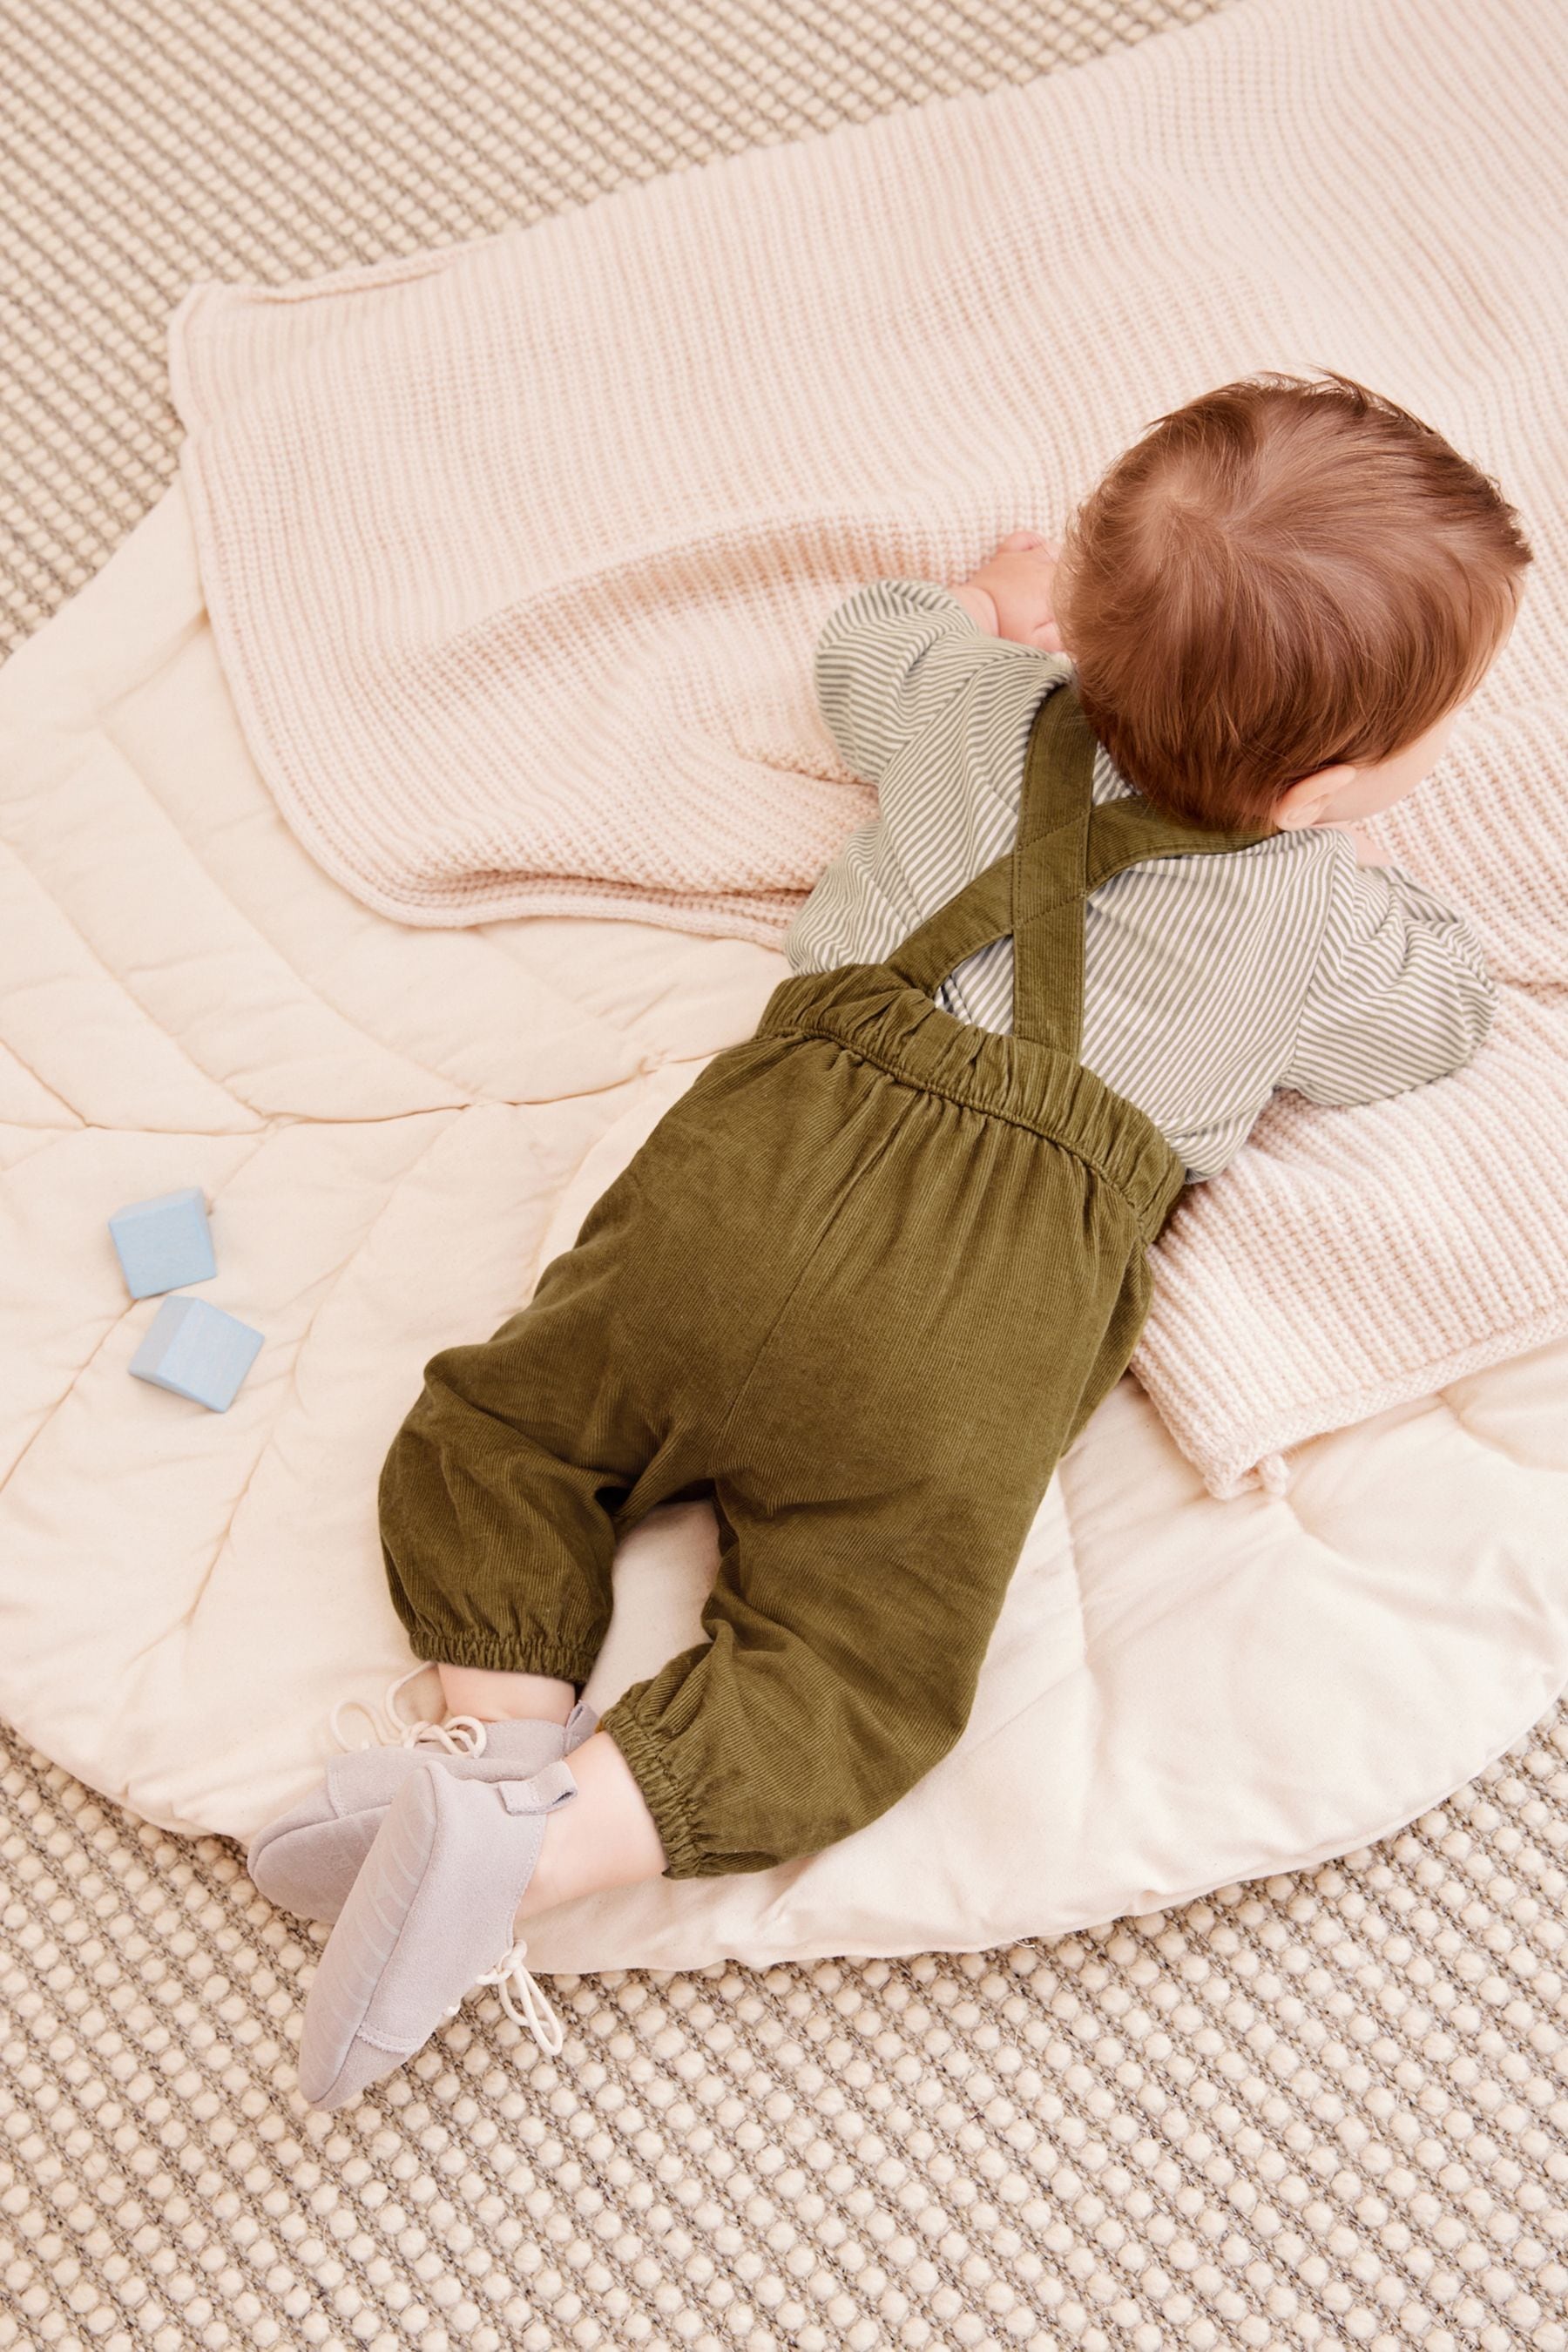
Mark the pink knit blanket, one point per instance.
(516, 554)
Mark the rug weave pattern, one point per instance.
(1322, 2112)
(1319, 2112)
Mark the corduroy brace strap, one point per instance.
(1066, 847)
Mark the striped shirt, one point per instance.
(1208, 981)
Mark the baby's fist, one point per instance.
(1012, 593)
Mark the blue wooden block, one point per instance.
(164, 1243)
(198, 1351)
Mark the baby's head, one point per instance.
(1277, 600)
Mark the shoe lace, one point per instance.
(523, 1997)
(458, 1735)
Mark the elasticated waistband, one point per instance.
(869, 1012)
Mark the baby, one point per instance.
(868, 1277)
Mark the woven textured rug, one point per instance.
(1327, 2111)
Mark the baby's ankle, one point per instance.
(605, 1837)
(497, 1697)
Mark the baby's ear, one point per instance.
(1311, 800)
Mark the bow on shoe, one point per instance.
(510, 1976)
(459, 1735)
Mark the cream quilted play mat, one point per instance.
(393, 1130)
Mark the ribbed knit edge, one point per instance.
(1234, 1463)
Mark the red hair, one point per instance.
(1281, 576)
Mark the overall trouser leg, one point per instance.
(497, 1502)
(528, 1456)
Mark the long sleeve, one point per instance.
(890, 662)
(935, 713)
(1401, 994)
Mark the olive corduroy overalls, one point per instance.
(861, 1287)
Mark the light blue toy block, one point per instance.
(165, 1243)
(198, 1351)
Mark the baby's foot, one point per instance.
(306, 1859)
(429, 1916)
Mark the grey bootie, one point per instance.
(429, 1916)
(306, 1859)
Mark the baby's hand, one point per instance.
(1012, 593)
